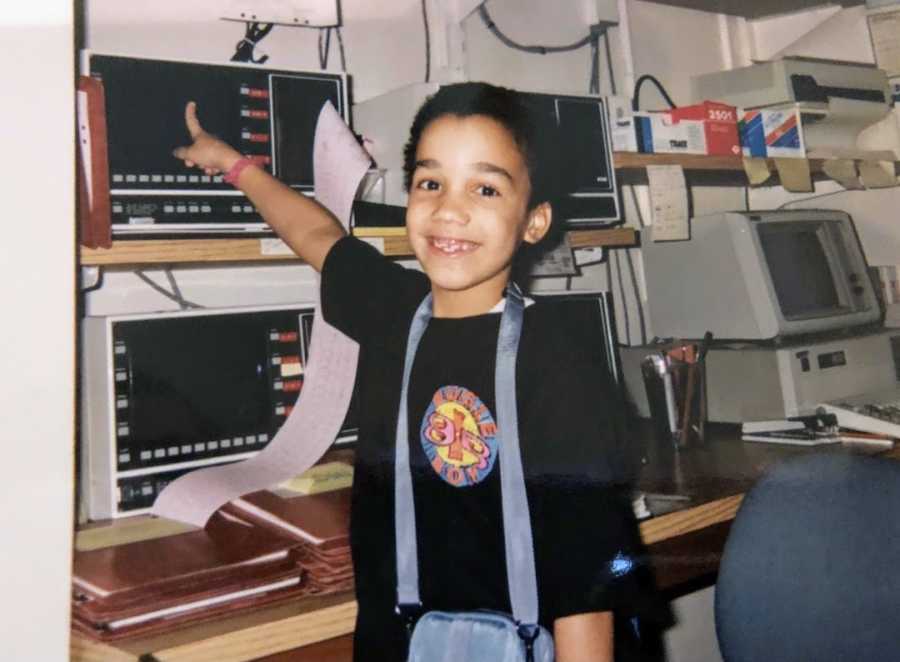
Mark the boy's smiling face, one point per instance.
(468, 211)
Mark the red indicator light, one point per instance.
(292, 385)
(257, 137)
(288, 336)
(290, 359)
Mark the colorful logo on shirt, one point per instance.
(459, 436)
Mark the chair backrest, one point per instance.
(811, 567)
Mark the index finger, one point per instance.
(190, 119)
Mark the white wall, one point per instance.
(531, 22)
(377, 58)
(38, 347)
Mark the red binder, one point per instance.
(94, 216)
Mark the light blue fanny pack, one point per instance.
(474, 636)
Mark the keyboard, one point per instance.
(877, 412)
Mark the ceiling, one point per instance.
(754, 8)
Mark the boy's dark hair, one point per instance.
(511, 109)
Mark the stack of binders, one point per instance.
(319, 523)
(254, 551)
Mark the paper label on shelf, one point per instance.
(274, 247)
(757, 170)
(843, 171)
(794, 175)
(668, 202)
(325, 477)
(885, 31)
(877, 174)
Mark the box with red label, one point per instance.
(719, 125)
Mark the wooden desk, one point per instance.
(685, 546)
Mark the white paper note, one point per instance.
(884, 29)
(668, 202)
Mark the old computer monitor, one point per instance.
(760, 275)
(166, 393)
(269, 115)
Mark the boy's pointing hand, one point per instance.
(207, 152)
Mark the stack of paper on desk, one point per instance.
(144, 586)
(254, 551)
(319, 522)
(811, 430)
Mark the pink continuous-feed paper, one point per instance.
(339, 164)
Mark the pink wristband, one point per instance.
(235, 171)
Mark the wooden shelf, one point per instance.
(392, 241)
(698, 162)
(178, 251)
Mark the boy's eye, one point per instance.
(487, 191)
(428, 185)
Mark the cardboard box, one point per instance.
(708, 128)
(658, 133)
(621, 124)
(719, 125)
(774, 132)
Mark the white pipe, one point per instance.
(625, 48)
(725, 42)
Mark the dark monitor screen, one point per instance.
(193, 387)
(264, 113)
(202, 378)
(583, 145)
(800, 269)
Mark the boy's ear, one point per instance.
(539, 220)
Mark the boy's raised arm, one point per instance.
(302, 223)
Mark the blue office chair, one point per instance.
(811, 567)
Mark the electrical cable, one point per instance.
(177, 290)
(816, 197)
(609, 280)
(637, 296)
(609, 64)
(175, 295)
(625, 314)
(427, 41)
(540, 50)
(253, 34)
(635, 101)
(324, 47)
(637, 291)
(337, 31)
(594, 83)
(96, 286)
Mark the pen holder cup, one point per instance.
(675, 382)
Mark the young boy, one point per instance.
(476, 194)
